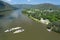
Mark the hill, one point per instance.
(20, 6)
(46, 6)
(39, 6)
(5, 6)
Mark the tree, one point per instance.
(55, 26)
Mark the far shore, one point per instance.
(7, 10)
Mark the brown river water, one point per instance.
(32, 29)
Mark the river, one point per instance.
(32, 30)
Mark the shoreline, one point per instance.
(34, 19)
(44, 21)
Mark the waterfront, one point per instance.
(33, 30)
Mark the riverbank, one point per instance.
(34, 18)
(46, 21)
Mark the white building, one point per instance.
(46, 21)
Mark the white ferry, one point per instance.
(18, 31)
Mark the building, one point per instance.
(46, 21)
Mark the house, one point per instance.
(46, 21)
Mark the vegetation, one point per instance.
(55, 26)
(52, 15)
(5, 6)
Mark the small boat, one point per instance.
(7, 31)
(49, 30)
(18, 31)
